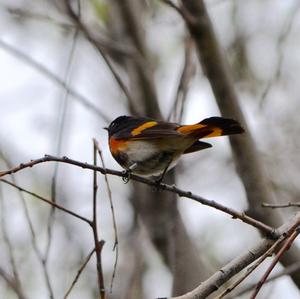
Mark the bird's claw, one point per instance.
(126, 176)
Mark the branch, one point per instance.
(47, 201)
(101, 49)
(235, 266)
(98, 244)
(61, 120)
(242, 216)
(34, 243)
(12, 283)
(116, 241)
(187, 74)
(283, 205)
(278, 256)
(286, 271)
(251, 268)
(9, 246)
(53, 77)
(283, 36)
(80, 271)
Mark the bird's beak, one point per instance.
(105, 128)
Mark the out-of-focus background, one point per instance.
(42, 52)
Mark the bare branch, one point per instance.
(12, 284)
(36, 249)
(98, 245)
(116, 242)
(286, 271)
(60, 129)
(47, 201)
(284, 34)
(278, 256)
(187, 74)
(53, 77)
(235, 266)
(174, 6)
(99, 46)
(80, 271)
(21, 13)
(242, 216)
(16, 278)
(251, 268)
(283, 205)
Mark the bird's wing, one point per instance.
(149, 129)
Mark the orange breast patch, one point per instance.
(117, 145)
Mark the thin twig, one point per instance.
(284, 34)
(182, 193)
(7, 242)
(278, 256)
(220, 277)
(116, 242)
(251, 268)
(102, 51)
(53, 77)
(174, 6)
(187, 74)
(27, 14)
(279, 206)
(13, 284)
(47, 201)
(34, 242)
(60, 129)
(80, 271)
(286, 271)
(98, 247)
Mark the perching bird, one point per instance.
(149, 147)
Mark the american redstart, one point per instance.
(149, 147)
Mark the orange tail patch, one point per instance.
(212, 127)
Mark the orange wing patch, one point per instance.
(190, 128)
(116, 145)
(143, 127)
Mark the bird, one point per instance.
(148, 147)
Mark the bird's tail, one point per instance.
(212, 127)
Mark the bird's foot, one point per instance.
(126, 175)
